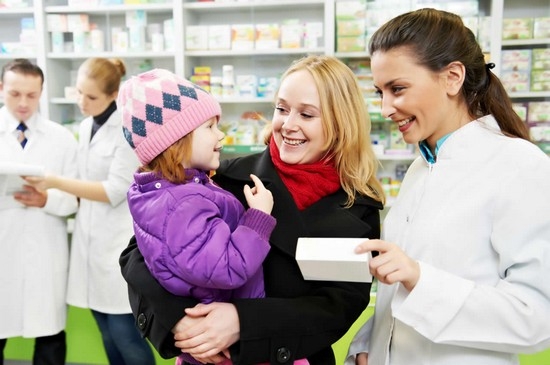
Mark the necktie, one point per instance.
(21, 137)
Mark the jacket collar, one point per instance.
(470, 139)
(259, 164)
(10, 123)
(113, 122)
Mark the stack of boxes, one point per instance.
(537, 116)
(539, 123)
(27, 40)
(291, 33)
(351, 26)
(526, 70)
(357, 20)
(230, 85)
(77, 33)
(540, 69)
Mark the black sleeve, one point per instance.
(156, 310)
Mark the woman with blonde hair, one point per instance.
(321, 171)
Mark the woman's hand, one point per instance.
(207, 331)
(362, 359)
(188, 322)
(41, 183)
(392, 265)
(31, 197)
(258, 197)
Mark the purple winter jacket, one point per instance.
(197, 239)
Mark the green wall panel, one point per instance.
(84, 344)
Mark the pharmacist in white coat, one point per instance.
(103, 223)
(465, 258)
(34, 249)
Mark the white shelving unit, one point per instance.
(60, 67)
(503, 9)
(260, 62)
(532, 9)
(10, 25)
(64, 64)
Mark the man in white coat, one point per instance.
(33, 235)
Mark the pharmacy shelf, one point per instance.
(243, 149)
(17, 55)
(352, 55)
(123, 55)
(10, 12)
(109, 9)
(530, 95)
(526, 42)
(396, 157)
(260, 62)
(245, 100)
(63, 101)
(272, 4)
(254, 52)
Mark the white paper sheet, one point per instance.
(10, 176)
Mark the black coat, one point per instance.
(298, 319)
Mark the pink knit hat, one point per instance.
(158, 108)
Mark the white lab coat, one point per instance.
(478, 223)
(102, 230)
(34, 248)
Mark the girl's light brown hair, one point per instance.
(169, 164)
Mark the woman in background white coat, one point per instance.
(103, 222)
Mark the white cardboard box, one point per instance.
(332, 259)
(219, 37)
(196, 37)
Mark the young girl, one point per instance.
(197, 239)
(105, 168)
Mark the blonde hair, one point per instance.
(107, 73)
(346, 124)
(169, 164)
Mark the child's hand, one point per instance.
(258, 197)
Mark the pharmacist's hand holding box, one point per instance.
(333, 259)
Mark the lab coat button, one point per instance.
(283, 355)
(141, 321)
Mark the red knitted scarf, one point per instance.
(307, 183)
